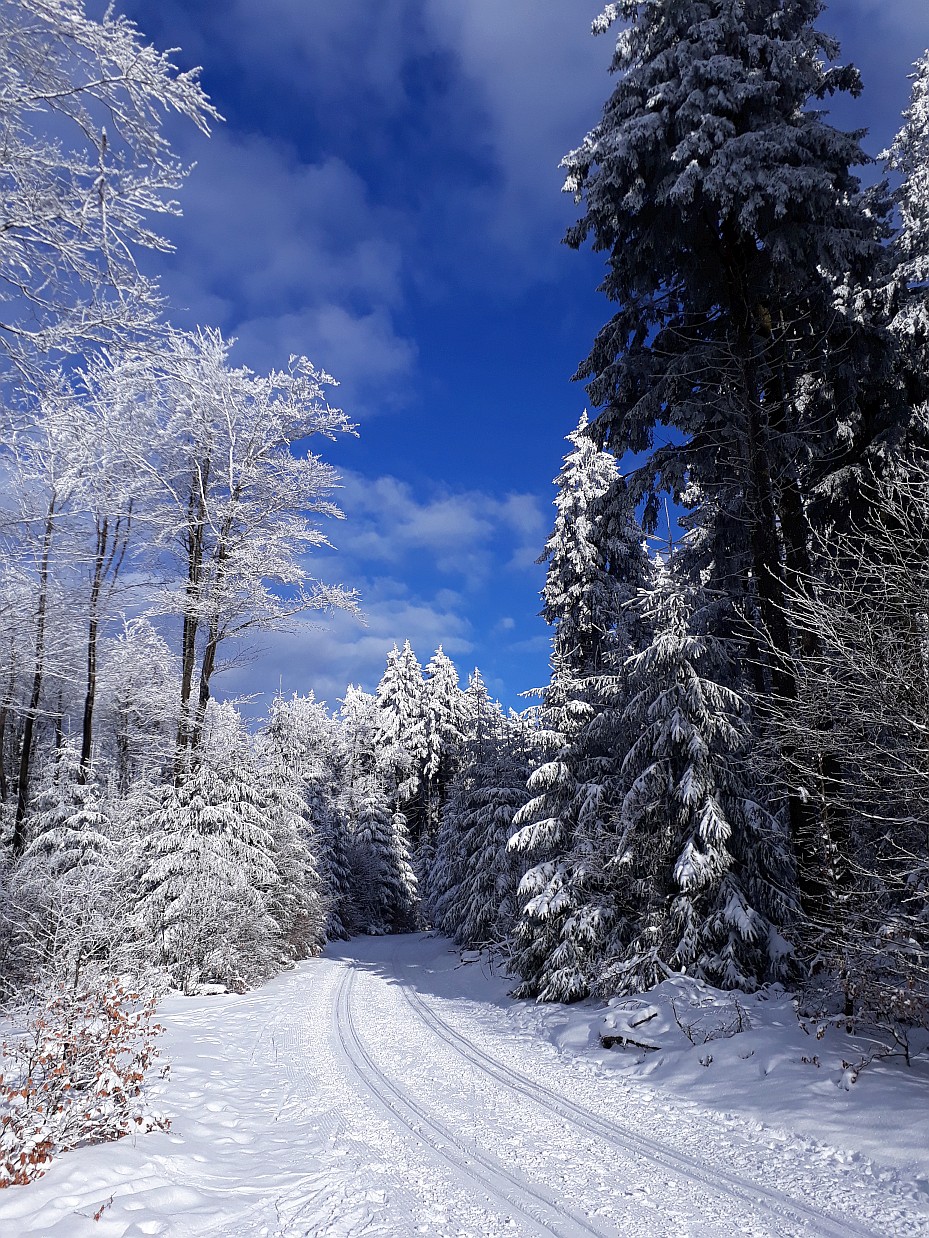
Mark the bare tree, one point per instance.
(83, 165)
(855, 740)
(231, 499)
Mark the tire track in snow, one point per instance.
(756, 1197)
(538, 1206)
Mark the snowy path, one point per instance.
(383, 1090)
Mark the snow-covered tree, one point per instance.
(908, 253)
(733, 227)
(231, 501)
(595, 563)
(479, 903)
(701, 867)
(305, 739)
(384, 889)
(445, 725)
(69, 823)
(401, 721)
(207, 869)
(385, 892)
(85, 163)
(731, 216)
(579, 597)
(138, 699)
(909, 157)
(856, 734)
(296, 899)
(359, 736)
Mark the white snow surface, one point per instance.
(389, 1088)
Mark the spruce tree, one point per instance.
(69, 825)
(909, 157)
(908, 254)
(385, 892)
(703, 868)
(595, 563)
(401, 721)
(303, 738)
(207, 867)
(445, 724)
(481, 902)
(733, 225)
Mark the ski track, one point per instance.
(865, 1213)
(371, 1094)
(781, 1208)
(537, 1205)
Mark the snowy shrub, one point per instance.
(75, 1073)
(881, 994)
(55, 924)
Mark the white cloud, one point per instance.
(327, 656)
(543, 78)
(462, 535)
(371, 363)
(459, 533)
(293, 257)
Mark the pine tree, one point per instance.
(385, 893)
(909, 157)
(480, 904)
(443, 872)
(908, 254)
(595, 562)
(304, 739)
(296, 900)
(702, 866)
(733, 228)
(207, 871)
(445, 722)
(69, 824)
(402, 725)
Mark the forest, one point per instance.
(727, 774)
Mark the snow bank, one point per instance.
(752, 1055)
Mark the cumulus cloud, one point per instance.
(293, 257)
(326, 656)
(449, 121)
(542, 78)
(458, 540)
(461, 533)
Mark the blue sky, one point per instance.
(385, 198)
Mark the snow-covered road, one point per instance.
(387, 1090)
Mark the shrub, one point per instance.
(75, 1073)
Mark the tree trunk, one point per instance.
(90, 690)
(35, 695)
(196, 519)
(207, 666)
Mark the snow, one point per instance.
(391, 1087)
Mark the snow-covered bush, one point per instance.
(74, 1071)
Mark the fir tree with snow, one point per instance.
(595, 562)
(305, 741)
(701, 867)
(909, 157)
(207, 868)
(401, 721)
(908, 257)
(297, 900)
(481, 902)
(733, 225)
(385, 895)
(445, 725)
(69, 825)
